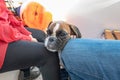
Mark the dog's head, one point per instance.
(59, 33)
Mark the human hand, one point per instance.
(33, 39)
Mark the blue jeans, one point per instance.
(92, 59)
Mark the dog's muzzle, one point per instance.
(51, 43)
(55, 44)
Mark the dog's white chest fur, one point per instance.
(61, 63)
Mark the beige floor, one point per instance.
(12, 75)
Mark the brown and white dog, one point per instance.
(59, 32)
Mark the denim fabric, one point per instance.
(92, 59)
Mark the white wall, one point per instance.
(91, 16)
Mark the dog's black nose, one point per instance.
(51, 39)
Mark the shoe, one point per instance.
(34, 73)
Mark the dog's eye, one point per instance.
(61, 33)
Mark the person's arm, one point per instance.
(9, 32)
(17, 24)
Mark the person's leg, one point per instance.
(50, 68)
(92, 59)
(24, 54)
(38, 34)
(28, 72)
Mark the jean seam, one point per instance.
(95, 75)
(70, 68)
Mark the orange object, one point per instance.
(33, 15)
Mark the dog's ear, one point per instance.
(75, 31)
(47, 30)
(50, 23)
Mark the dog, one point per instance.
(58, 34)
